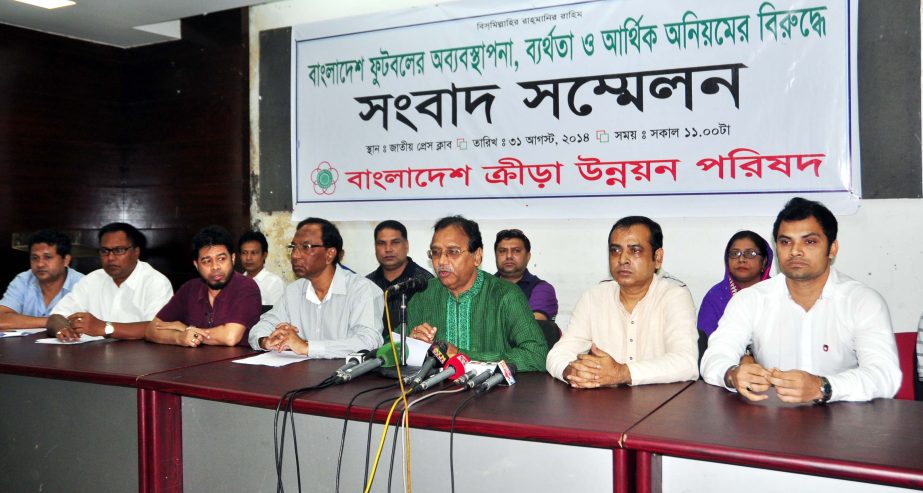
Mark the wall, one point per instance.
(881, 244)
(155, 136)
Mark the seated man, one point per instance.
(328, 312)
(817, 334)
(394, 266)
(32, 295)
(476, 313)
(253, 251)
(513, 250)
(118, 300)
(637, 330)
(218, 307)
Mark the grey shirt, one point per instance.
(347, 319)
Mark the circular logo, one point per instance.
(324, 177)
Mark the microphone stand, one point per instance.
(403, 318)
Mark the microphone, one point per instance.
(353, 359)
(412, 284)
(505, 374)
(382, 358)
(479, 379)
(454, 368)
(463, 380)
(435, 355)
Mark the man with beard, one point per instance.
(328, 311)
(118, 300)
(817, 334)
(216, 308)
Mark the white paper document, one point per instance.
(273, 358)
(83, 338)
(19, 332)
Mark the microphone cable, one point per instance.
(346, 422)
(405, 422)
(288, 399)
(458, 409)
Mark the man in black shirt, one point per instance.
(391, 247)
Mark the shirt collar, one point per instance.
(337, 286)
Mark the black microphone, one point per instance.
(412, 284)
(499, 376)
(434, 356)
(463, 380)
(479, 378)
(453, 368)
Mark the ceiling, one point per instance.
(114, 22)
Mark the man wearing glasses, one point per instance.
(215, 308)
(474, 312)
(118, 300)
(817, 334)
(328, 311)
(637, 330)
(512, 251)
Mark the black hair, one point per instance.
(330, 235)
(52, 237)
(511, 234)
(652, 226)
(798, 209)
(761, 244)
(211, 236)
(467, 225)
(390, 224)
(136, 237)
(253, 236)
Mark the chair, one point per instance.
(906, 355)
(550, 330)
(703, 345)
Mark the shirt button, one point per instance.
(631, 340)
(630, 358)
(632, 322)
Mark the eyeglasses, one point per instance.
(117, 251)
(744, 254)
(452, 253)
(304, 248)
(635, 251)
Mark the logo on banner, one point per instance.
(324, 177)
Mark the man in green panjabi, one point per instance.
(476, 313)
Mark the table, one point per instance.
(872, 442)
(538, 414)
(74, 419)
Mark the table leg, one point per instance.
(160, 442)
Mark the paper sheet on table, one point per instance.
(416, 351)
(273, 358)
(83, 338)
(20, 332)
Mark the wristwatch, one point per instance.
(825, 391)
(109, 330)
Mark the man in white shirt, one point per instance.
(253, 249)
(637, 330)
(817, 335)
(118, 300)
(328, 311)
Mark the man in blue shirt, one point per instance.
(31, 296)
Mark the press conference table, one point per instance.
(872, 442)
(525, 430)
(72, 417)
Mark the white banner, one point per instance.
(698, 107)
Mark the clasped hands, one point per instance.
(596, 369)
(285, 337)
(793, 386)
(81, 323)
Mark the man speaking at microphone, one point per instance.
(329, 311)
(474, 312)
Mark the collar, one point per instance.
(337, 286)
(475, 288)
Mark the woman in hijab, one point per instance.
(748, 259)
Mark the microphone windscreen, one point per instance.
(387, 354)
(458, 363)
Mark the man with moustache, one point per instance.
(253, 251)
(32, 295)
(817, 335)
(512, 251)
(474, 312)
(394, 267)
(328, 311)
(640, 329)
(216, 308)
(118, 300)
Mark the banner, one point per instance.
(577, 110)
